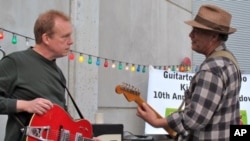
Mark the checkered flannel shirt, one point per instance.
(211, 102)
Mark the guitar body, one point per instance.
(57, 125)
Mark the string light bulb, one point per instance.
(169, 68)
(144, 69)
(138, 69)
(1, 34)
(113, 64)
(90, 60)
(127, 67)
(182, 68)
(173, 68)
(14, 39)
(98, 62)
(132, 68)
(81, 58)
(177, 68)
(106, 63)
(165, 68)
(27, 42)
(120, 66)
(71, 56)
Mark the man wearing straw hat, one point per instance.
(212, 100)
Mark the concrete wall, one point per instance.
(132, 31)
(139, 32)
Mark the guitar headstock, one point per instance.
(130, 92)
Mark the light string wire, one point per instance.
(135, 66)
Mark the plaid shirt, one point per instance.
(211, 102)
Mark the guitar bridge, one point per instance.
(37, 132)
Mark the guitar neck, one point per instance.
(132, 94)
(140, 100)
(171, 132)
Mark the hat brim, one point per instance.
(198, 25)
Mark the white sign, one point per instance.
(166, 89)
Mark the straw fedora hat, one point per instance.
(211, 17)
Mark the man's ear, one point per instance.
(45, 38)
(215, 37)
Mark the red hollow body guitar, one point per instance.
(57, 125)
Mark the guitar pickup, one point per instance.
(79, 137)
(64, 135)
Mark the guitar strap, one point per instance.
(23, 129)
(2, 52)
(69, 94)
(222, 53)
(73, 101)
(226, 54)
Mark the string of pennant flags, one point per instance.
(184, 66)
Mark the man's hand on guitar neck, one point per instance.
(38, 106)
(147, 114)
